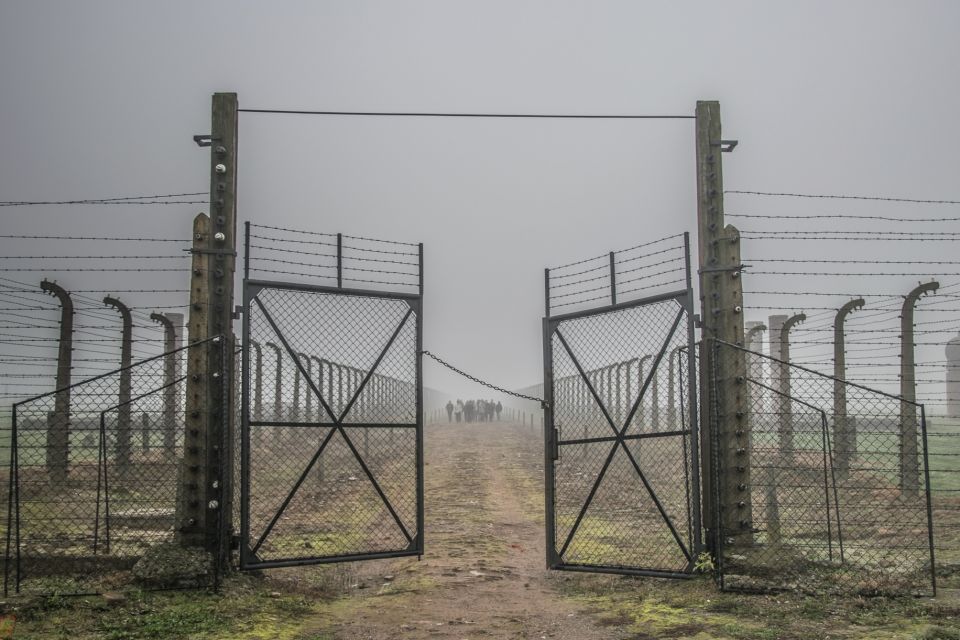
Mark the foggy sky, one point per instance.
(101, 99)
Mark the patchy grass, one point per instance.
(695, 609)
(246, 608)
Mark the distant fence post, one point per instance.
(123, 410)
(169, 374)
(844, 436)
(780, 327)
(58, 429)
(909, 462)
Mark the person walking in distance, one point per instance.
(459, 410)
(499, 409)
(449, 411)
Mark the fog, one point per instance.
(101, 99)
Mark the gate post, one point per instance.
(725, 435)
(204, 509)
(909, 463)
(844, 436)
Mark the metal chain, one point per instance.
(543, 403)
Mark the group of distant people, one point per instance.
(473, 411)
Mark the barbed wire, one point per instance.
(837, 217)
(838, 197)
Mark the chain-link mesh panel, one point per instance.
(84, 514)
(621, 494)
(333, 428)
(838, 486)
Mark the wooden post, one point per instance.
(844, 438)
(58, 430)
(725, 420)
(909, 451)
(206, 505)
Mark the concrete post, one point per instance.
(780, 327)
(909, 451)
(844, 436)
(58, 428)
(123, 410)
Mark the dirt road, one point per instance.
(483, 575)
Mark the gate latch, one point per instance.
(556, 444)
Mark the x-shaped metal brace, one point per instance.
(337, 427)
(620, 437)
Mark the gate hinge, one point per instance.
(237, 312)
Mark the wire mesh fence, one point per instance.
(623, 489)
(93, 486)
(836, 487)
(333, 433)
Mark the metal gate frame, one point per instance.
(552, 444)
(251, 288)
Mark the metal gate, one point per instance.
(621, 464)
(331, 431)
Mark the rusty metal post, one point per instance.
(123, 410)
(58, 428)
(844, 436)
(909, 450)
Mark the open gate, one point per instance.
(331, 433)
(621, 464)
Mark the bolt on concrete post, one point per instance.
(909, 450)
(58, 426)
(844, 431)
(123, 411)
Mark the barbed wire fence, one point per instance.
(813, 261)
(147, 275)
